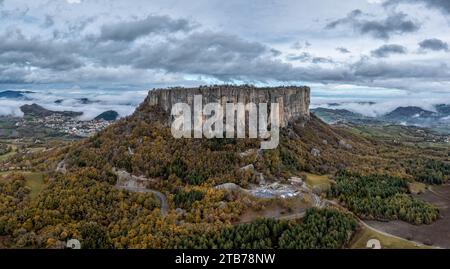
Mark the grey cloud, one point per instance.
(229, 58)
(379, 71)
(343, 50)
(218, 55)
(204, 53)
(275, 52)
(79, 26)
(82, 56)
(394, 23)
(350, 18)
(74, 28)
(12, 75)
(132, 30)
(303, 57)
(301, 45)
(18, 50)
(308, 57)
(376, 73)
(209, 53)
(387, 50)
(317, 60)
(49, 22)
(225, 57)
(434, 44)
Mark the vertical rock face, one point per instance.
(294, 101)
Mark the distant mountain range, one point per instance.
(36, 110)
(410, 115)
(14, 94)
(84, 101)
(22, 95)
(443, 109)
(359, 103)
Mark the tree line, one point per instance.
(5, 149)
(381, 197)
(320, 229)
(429, 171)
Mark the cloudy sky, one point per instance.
(340, 48)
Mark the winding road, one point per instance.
(123, 183)
(165, 207)
(391, 235)
(366, 225)
(161, 197)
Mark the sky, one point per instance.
(342, 49)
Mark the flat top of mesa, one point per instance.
(294, 101)
(231, 88)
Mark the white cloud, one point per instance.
(124, 102)
(158, 59)
(383, 105)
(74, 1)
(376, 1)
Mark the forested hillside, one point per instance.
(382, 197)
(82, 200)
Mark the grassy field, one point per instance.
(387, 132)
(417, 187)
(14, 151)
(387, 242)
(7, 155)
(34, 180)
(38, 149)
(403, 134)
(317, 181)
(36, 183)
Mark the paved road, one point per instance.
(125, 177)
(294, 216)
(161, 197)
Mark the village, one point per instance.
(70, 126)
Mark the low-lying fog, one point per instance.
(91, 103)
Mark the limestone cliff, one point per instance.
(294, 101)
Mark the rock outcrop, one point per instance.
(294, 101)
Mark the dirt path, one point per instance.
(292, 216)
(436, 234)
(132, 183)
(389, 235)
(370, 227)
(439, 195)
(324, 203)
